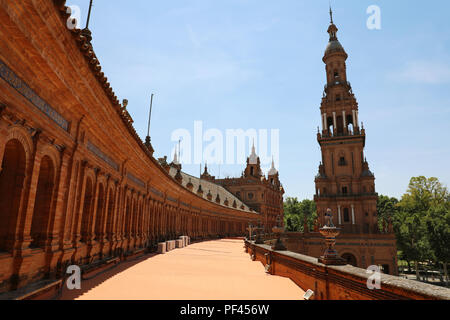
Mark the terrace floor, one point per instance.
(212, 270)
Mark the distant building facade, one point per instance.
(252, 192)
(264, 194)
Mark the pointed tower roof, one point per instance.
(175, 157)
(253, 159)
(273, 171)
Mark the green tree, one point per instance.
(386, 208)
(420, 223)
(438, 227)
(296, 212)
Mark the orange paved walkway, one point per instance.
(213, 270)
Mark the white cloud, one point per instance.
(426, 72)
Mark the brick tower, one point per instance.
(344, 183)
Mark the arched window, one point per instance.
(350, 258)
(12, 176)
(42, 204)
(100, 213)
(87, 210)
(110, 218)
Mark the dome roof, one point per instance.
(334, 45)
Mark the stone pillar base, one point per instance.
(332, 261)
(162, 248)
(278, 246)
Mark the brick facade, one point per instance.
(77, 184)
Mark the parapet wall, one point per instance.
(340, 282)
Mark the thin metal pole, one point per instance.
(89, 14)
(150, 116)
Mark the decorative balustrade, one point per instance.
(340, 282)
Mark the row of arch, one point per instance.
(52, 199)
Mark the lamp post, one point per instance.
(278, 230)
(330, 232)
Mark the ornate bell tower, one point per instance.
(344, 183)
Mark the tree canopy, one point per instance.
(295, 213)
(421, 221)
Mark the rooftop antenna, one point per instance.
(86, 32)
(179, 151)
(147, 139)
(150, 115)
(200, 176)
(89, 14)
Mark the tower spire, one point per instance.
(331, 15)
(175, 156)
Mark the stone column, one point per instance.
(345, 120)
(355, 124)
(324, 121)
(339, 215)
(334, 123)
(353, 214)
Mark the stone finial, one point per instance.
(190, 186)
(200, 190)
(178, 176)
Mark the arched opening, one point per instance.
(42, 204)
(127, 217)
(349, 119)
(87, 210)
(110, 218)
(330, 125)
(133, 219)
(340, 122)
(350, 258)
(346, 215)
(100, 213)
(12, 175)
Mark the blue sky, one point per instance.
(258, 64)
